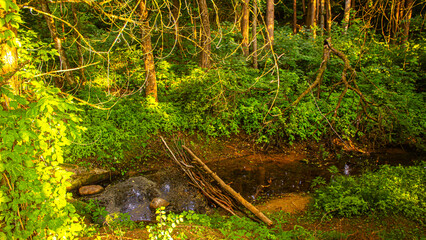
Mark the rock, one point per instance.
(131, 196)
(158, 202)
(178, 190)
(84, 176)
(135, 195)
(90, 190)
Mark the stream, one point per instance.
(256, 177)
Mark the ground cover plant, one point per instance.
(390, 190)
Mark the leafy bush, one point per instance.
(166, 223)
(389, 190)
(127, 126)
(33, 197)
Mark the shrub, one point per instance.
(33, 197)
(389, 190)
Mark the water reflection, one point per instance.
(268, 177)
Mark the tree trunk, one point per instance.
(270, 21)
(294, 16)
(347, 14)
(329, 22)
(254, 30)
(205, 35)
(322, 13)
(313, 11)
(9, 61)
(245, 27)
(175, 15)
(396, 12)
(78, 42)
(408, 12)
(151, 79)
(69, 79)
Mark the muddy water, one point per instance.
(261, 176)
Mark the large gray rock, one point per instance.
(134, 195)
(131, 196)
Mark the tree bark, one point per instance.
(254, 30)
(205, 35)
(9, 61)
(322, 13)
(69, 78)
(151, 78)
(313, 20)
(270, 21)
(408, 12)
(245, 27)
(329, 18)
(347, 14)
(294, 16)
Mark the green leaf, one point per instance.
(9, 17)
(13, 6)
(4, 4)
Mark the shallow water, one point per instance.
(257, 177)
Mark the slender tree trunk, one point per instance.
(329, 18)
(347, 14)
(69, 78)
(78, 42)
(254, 30)
(205, 35)
(270, 21)
(8, 62)
(294, 16)
(322, 13)
(303, 7)
(408, 12)
(175, 15)
(397, 20)
(245, 27)
(308, 19)
(151, 78)
(313, 12)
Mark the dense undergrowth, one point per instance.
(388, 191)
(232, 97)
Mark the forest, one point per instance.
(332, 91)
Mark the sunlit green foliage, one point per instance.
(33, 200)
(390, 190)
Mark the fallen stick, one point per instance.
(199, 184)
(231, 191)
